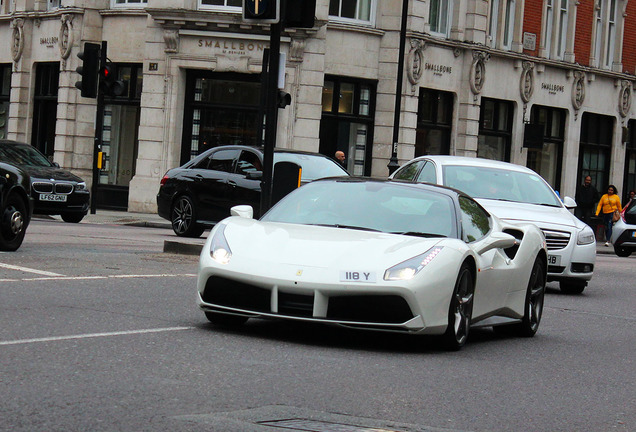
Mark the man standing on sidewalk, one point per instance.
(586, 198)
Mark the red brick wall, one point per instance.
(532, 22)
(583, 37)
(629, 39)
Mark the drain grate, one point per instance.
(307, 425)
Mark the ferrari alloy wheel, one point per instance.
(533, 308)
(225, 319)
(12, 224)
(461, 310)
(183, 217)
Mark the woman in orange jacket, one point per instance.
(607, 204)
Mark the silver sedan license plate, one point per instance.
(554, 260)
(52, 197)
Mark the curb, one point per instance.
(176, 247)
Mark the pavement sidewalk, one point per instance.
(153, 220)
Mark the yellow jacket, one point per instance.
(609, 203)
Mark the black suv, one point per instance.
(16, 206)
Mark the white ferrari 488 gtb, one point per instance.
(379, 255)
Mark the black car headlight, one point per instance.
(81, 186)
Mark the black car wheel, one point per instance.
(533, 306)
(72, 217)
(622, 252)
(12, 223)
(461, 310)
(183, 217)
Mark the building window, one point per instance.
(434, 122)
(439, 17)
(129, 3)
(547, 161)
(604, 34)
(362, 11)
(226, 5)
(47, 77)
(7, 6)
(5, 92)
(495, 130)
(501, 24)
(555, 29)
(348, 108)
(595, 149)
(52, 4)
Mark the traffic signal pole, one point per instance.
(99, 125)
(271, 115)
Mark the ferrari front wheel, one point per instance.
(460, 311)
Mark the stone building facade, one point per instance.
(542, 83)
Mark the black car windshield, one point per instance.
(500, 184)
(368, 205)
(313, 166)
(23, 154)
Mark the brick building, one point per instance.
(542, 83)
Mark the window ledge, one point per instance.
(358, 28)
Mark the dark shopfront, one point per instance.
(220, 109)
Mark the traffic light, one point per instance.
(298, 13)
(265, 11)
(109, 84)
(88, 70)
(284, 99)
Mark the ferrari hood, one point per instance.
(317, 246)
(538, 214)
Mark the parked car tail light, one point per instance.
(164, 179)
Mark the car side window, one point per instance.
(248, 162)
(409, 171)
(475, 221)
(427, 174)
(223, 160)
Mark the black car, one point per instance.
(55, 191)
(15, 206)
(200, 193)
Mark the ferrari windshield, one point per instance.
(369, 205)
(500, 184)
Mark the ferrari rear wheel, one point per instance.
(225, 319)
(460, 311)
(183, 218)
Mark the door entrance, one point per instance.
(47, 76)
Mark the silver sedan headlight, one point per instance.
(585, 236)
(408, 269)
(219, 248)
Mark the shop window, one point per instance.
(434, 121)
(5, 92)
(629, 179)
(439, 17)
(228, 5)
(47, 76)
(129, 3)
(595, 149)
(361, 11)
(547, 161)
(347, 122)
(495, 130)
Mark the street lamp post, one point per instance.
(393, 162)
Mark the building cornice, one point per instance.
(33, 15)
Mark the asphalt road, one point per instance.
(99, 331)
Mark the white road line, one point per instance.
(77, 278)
(92, 335)
(29, 270)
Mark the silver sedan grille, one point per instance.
(556, 239)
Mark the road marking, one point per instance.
(29, 270)
(92, 335)
(77, 278)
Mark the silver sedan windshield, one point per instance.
(368, 205)
(499, 184)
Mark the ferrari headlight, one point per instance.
(219, 249)
(408, 269)
(585, 236)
